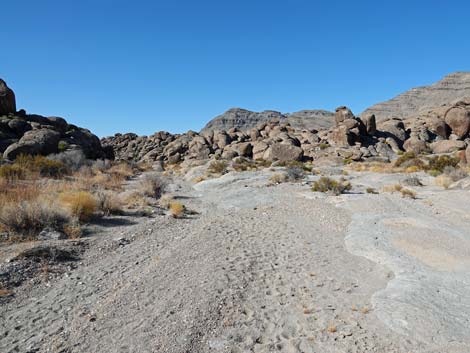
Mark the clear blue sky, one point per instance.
(144, 66)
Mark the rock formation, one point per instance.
(452, 87)
(243, 119)
(22, 133)
(7, 99)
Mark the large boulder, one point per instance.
(369, 122)
(342, 113)
(42, 141)
(7, 99)
(447, 146)
(283, 152)
(458, 118)
(415, 145)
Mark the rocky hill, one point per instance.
(22, 133)
(243, 119)
(452, 87)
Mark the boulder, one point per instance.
(447, 146)
(395, 129)
(415, 145)
(43, 141)
(243, 149)
(467, 154)
(458, 118)
(7, 99)
(284, 153)
(342, 113)
(341, 136)
(369, 122)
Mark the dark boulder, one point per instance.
(7, 99)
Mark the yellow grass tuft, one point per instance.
(176, 209)
(81, 204)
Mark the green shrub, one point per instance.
(324, 146)
(439, 163)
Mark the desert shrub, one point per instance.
(109, 202)
(81, 204)
(443, 180)
(371, 191)
(412, 181)
(329, 185)
(243, 164)
(62, 146)
(135, 200)
(454, 173)
(278, 178)
(411, 161)
(73, 160)
(262, 163)
(439, 163)
(324, 146)
(408, 193)
(295, 173)
(47, 167)
(101, 165)
(12, 172)
(217, 167)
(29, 217)
(176, 209)
(152, 185)
(123, 170)
(392, 188)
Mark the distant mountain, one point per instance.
(245, 119)
(450, 88)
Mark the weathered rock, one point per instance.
(341, 136)
(458, 118)
(467, 154)
(7, 99)
(43, 141)
(283, 153)
(51, 234)
(369, 122)
(447, 146)
(341, 114)
(415, 145)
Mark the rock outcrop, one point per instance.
(452, 87)
(244, 120)
(7, 99)
(22, 133)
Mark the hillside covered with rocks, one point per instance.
(31, 134)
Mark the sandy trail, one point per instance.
(259, 269)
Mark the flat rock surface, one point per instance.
(263, 269)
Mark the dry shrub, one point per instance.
(122, 170)
(278, 178)
(455, 173)
(371, 191)
(165, 201)
(12, 172)
(135, 200)
(176, 209)
(408, 193)
(392, 188)
(412, 181)
(439, 163)
(81, 204)
(72, 230)
(198, 179)
(109, 202)
(443, 180)
(152, 185)
(295, 173)
(328, 185)
(217, 167)
(29, 217)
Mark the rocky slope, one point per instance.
(22, 133)
(243, 119)
(450, 88)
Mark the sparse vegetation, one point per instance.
(152, 185)
(295, 173)
(408, 193)
(218, 167)
(329, 185)
(392, 188)
(81, 204)
(176, 209)
(278, 178)
(371, 191)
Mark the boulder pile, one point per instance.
(22, 133)
(441, 130)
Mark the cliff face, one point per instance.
(243, 119)
(450, 88)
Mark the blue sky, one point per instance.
(145, 66)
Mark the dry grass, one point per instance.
(443, 180)
(152, 185)
(217, 167)
(371, 191)
(176, 209)
(5, 293)
(331, 329)
(329, 185)
(408, 193)
(42, 195)
(278, 178)
(135, 200)
(392, 188)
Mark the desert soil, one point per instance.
(262, 268)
